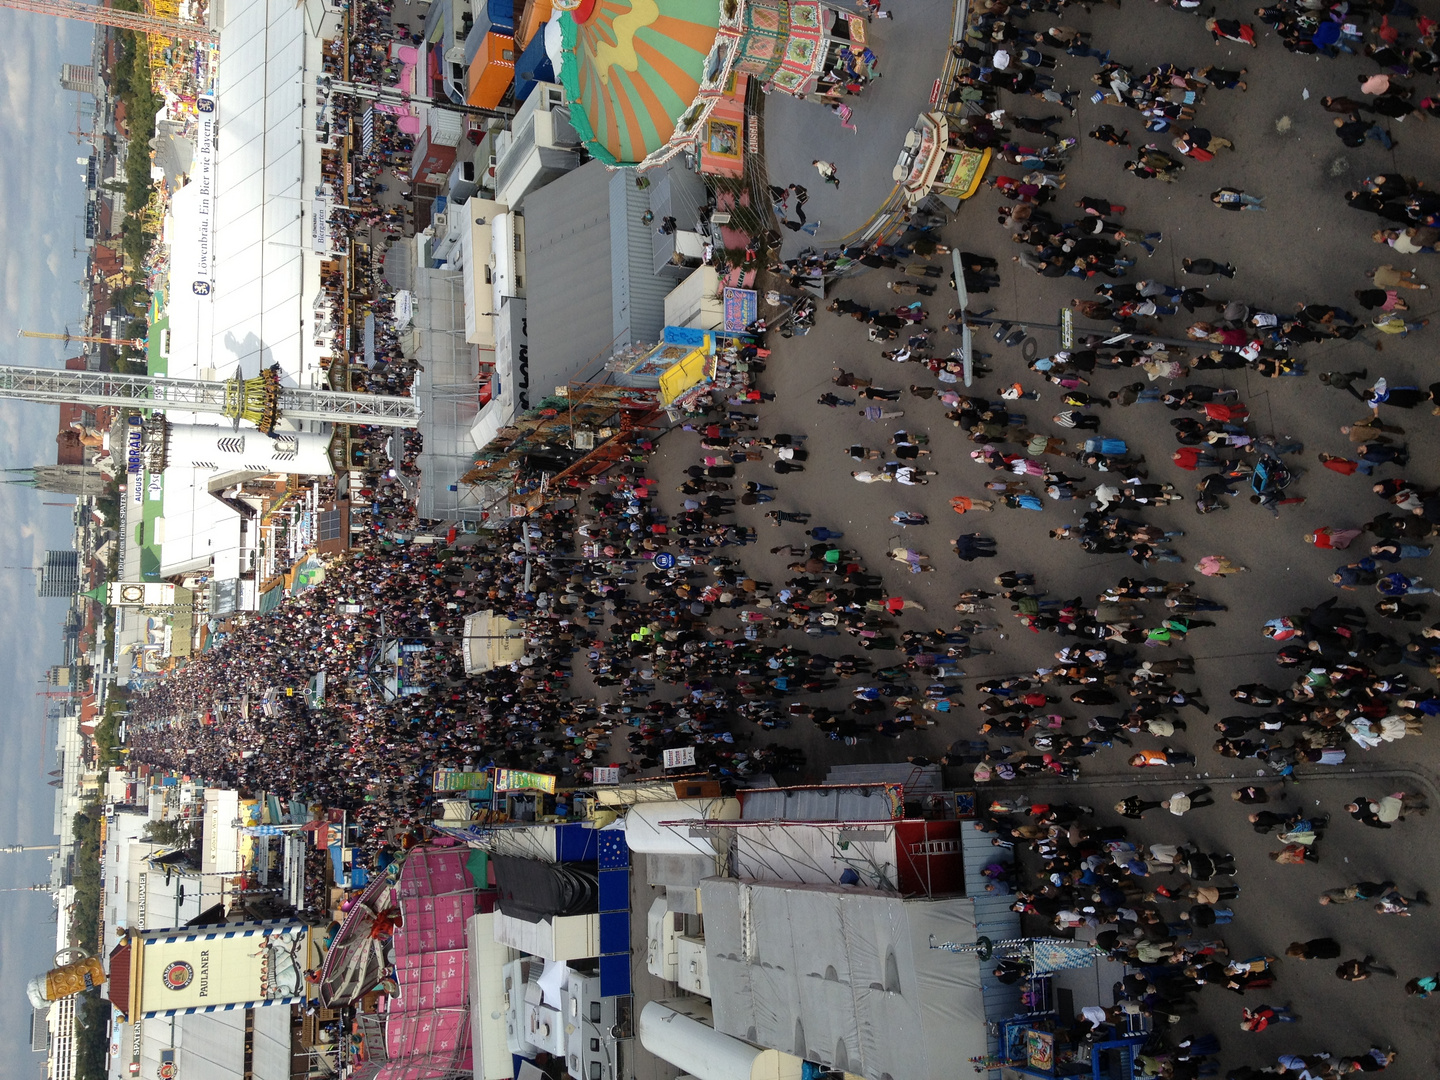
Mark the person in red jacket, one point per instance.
(1332, 539)
(1262, 1016)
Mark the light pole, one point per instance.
(1065, 327)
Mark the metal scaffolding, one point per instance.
(106, 16)
(223, 398)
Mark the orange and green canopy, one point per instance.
(631, 68)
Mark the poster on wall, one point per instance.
(742, 307)
(518, 780)
(203, 174)
(243, 965)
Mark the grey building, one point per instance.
(60, 576)
(591, 270)
(61, 479)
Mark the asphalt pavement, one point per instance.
(1307, 246)
(911, 47)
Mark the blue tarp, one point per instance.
(615, 975)
(575, 843)
(612, 852)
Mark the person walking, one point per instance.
(1393, 902)
(1357, 891)
(1207, 267)
(1183, 801)
(780, 517)
(1134, 807)
(1362, 969)
(971, 546)
(1262, 1016)
(827, 171)
(911, 287)
(875, 414)
(1322, 948)
(1391, 323)
(1423, 985)
(1345, 380)
(1218, 565)
(1229, 198)
(1169, 757)
(963, 504)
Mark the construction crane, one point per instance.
(124, 20)
(67, 337)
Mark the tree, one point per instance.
(170, 832)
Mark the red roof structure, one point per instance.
(119, 979)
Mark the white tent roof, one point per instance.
(845, 977)
(267, 164)
(491, 641)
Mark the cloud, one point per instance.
(44, 195)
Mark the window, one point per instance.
(327, 526)
(594, 1012)
(594, 1070)
(595, 1045)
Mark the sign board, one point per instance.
(606, 774)
(692, 337)
(134, 447)
(459, 780)
(404, 308)
(1067, 328)
(664, 560)
(203, 175)
(518, 780)
(140, 594)
(742, 307)
(1040, 1050)
(243, 964)
(321, 237)
(679, 758)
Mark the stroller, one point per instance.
(1271, 476)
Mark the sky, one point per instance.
(42, 220)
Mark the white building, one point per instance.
(245, 280)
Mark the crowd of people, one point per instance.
(697, 651)
(363, 216)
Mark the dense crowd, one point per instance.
(702, 652)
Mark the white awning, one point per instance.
(491, 641)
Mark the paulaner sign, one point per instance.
(234, 966)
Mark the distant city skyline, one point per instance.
(43, 222)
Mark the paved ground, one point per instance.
(912, 49)
(1308, 246)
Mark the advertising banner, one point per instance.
(516, 780)
(679, 758)
(244, 965)
(742, 307)
(203, 174)
(459, 780)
